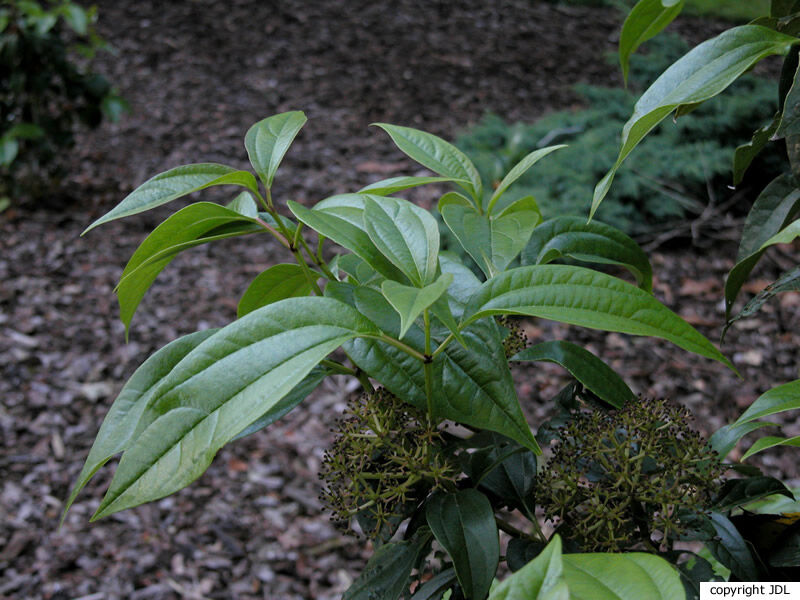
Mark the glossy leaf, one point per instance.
(244, 205)
(268, 140)
(592, 372)
(388, 571)
(405, 234)
(463, 523)
(730, 548)
(595, 242)
(234, 377)
(769, 441)
(790, 116)
(587, 298)
(437, 155)
(464, 282)
(454, 198)
(738, 492)
(119, 425)
(436, 586)
(339, 227)
(540, 579)
(492, 242)
(409, 302)
(173, 184)
(701, 74)
(630, 576)
(778, 399)
(725, 438)
(385, 187)
(518, 171)
(645, 20)
(196, 224)
(276, 283)
(772, 211)
(745, 153)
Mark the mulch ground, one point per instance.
(197, 74)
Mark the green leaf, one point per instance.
(630, 576)
(725, 438)
(772, 211)
(385, 187)
(492, 242)
(587, 298)
(729, 548)
(518, 171)
(592, 372)
(464, 281)
(268, 140)
(75, 17)
(276, 283)
(454, 198)
(790, 116)
(437, 155)
(593, 242)
(234, 377)
(9, 148)
(645, 20)
(244, 205)
(196, 224)
(778, 399)
(783, 8)
(540, 579)
(116, 432)
(699, 75)
(788, 282)
(463, 523)
(335, 223)
(745, 153)
(409, 302)
(387, 573)
(405, 234)
(768, 442)
(173, 184)
(436, 586)
(737, 492)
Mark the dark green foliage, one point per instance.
(46, 90)
(673, 172)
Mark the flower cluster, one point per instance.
(516, 340)
(387, 457)
(628, 478)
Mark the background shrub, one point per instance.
(673, 174)
(47, 90)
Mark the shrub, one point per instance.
(673, 172)
(46, 91)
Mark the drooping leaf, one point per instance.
(196, 224)
(409, 302)
(436, 586)
(772, 211)
(405, 234)
(386, 187)
(778, 399)
(593, 242)
(770, 441)
(788, 282)
(645, 20)
(592, 372)
(268, 140)
(492, 242)
(276, 283)
(234, 377)
(437, 155)
(737, 492)
(334, 223)
(541, 579)
(744, 154)
(587, 298)
(629, 576)
(729, 548)
(119, 425)
(388, 571)
(173, 184)
(518, 171)
(701, 74)
(463, 523)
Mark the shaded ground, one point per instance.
(197, 74)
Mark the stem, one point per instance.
(399, 345)
(511, 530)
(338, 367)
(443, 345)
(278, 236)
